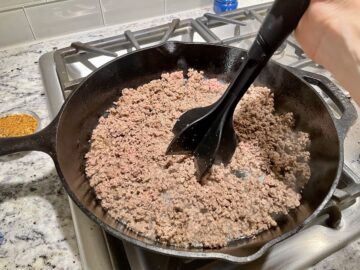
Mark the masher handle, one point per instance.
(281, 20)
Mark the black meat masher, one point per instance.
(208, 132)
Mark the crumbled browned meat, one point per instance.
(158, 196)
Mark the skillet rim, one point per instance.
(171, 250)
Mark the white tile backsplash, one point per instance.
(180, 5)
(14, 28)
(119, 11)
(64, 17)
(245, 3)
(6, 4)
(47, 18)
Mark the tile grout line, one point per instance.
(29, 5)
(31, 28)
(102, 12)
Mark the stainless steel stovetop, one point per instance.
(65, 68)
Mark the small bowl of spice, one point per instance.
(18, 122)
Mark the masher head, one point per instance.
(206, 133)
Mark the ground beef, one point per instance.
(159, 197)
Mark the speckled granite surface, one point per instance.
(35, 217)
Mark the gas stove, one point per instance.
(63, 70)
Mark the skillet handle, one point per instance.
(342, 198)
(347, 109)
(43, 141)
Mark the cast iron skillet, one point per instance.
(66, 139)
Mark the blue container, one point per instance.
(224, 5)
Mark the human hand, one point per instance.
(329, 33)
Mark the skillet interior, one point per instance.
(96, 94)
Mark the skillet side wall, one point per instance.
(96, 94)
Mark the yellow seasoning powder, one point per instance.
(17, 125)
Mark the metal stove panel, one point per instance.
(63, 70)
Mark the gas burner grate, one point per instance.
(75, 62)
(238, 28)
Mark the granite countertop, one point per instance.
(35, 219)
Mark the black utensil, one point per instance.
(208, 132)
